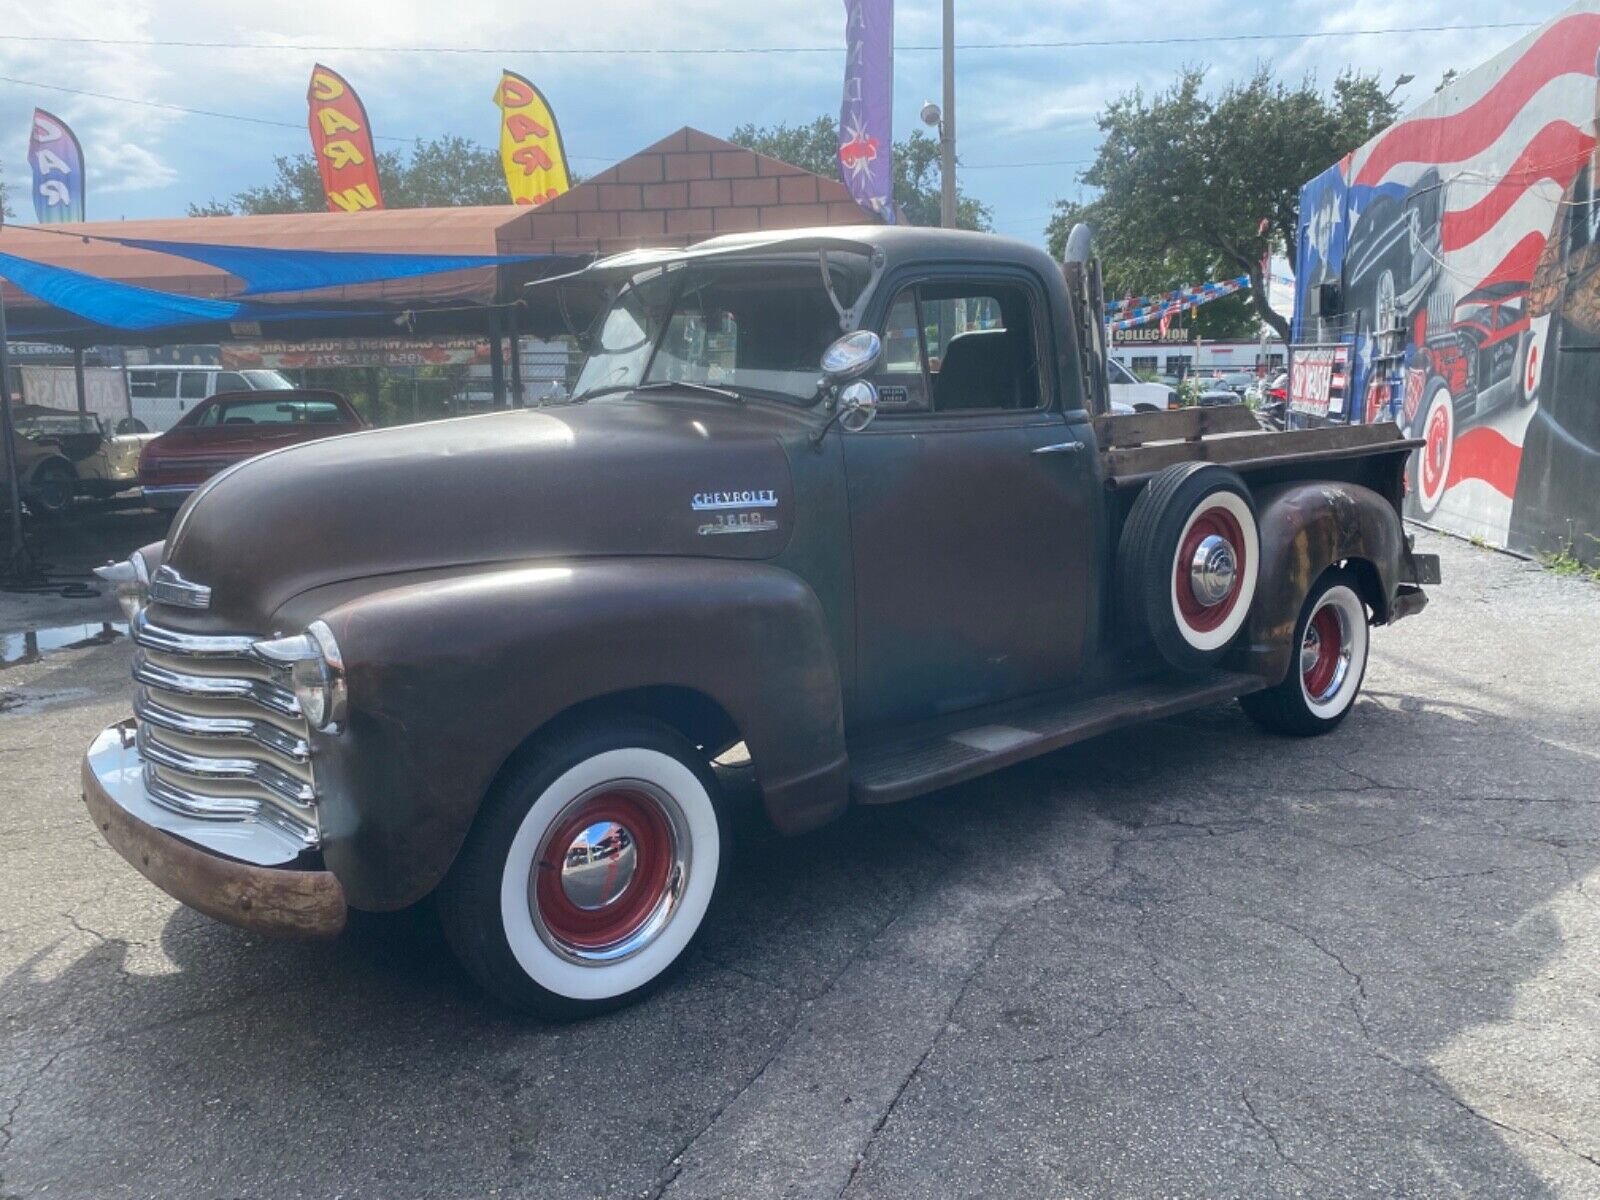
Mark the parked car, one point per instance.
(1237, 382)
(158, 397)
(232, 427)
(1274, 405)
(494, 659)
(65, 454)
(1139, 396)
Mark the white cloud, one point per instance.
(1015, 106)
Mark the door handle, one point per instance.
(1059, 448)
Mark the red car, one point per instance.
(231, 427)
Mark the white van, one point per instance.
(158, 396)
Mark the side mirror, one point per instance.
(858, 405)
(852, 355)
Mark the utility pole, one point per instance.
(947, 127)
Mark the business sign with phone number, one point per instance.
(1317, 380)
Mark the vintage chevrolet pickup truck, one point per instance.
(850, 500)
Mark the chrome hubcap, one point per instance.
(609, 872)
(1212, 571)
(599, 865)
(1310, 651)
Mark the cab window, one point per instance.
(970, 348)
(193, 385)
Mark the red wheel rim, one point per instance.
(1214, 521)
(1437, 437)
(1328, 635)
(651, 837)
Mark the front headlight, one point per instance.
(316, 673)
(130, 583)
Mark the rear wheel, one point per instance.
(52, 486)
(589, 871)
(1331, 641)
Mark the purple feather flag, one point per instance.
(866, 130)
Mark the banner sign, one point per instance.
(341, 142)
(1125, 314)
(354, 352)
(57, 162)
(1317, 380)
(531, 151)
(866, 133)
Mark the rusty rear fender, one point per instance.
(1305, 529)
(450, 676)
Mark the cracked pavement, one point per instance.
(1184, 960)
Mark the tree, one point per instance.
(438, 174)
(1134, 267)
(815, 148)
(1186, 178)
(5, 204)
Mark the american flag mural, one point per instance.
(1464, 242)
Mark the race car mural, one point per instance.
(1465, 243)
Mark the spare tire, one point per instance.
(1188, 561)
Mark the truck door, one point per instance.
(972, 507)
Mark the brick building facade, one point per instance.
(687, 187)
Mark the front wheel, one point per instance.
(1331, 640)
(589, 870)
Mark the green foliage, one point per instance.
(5, 204)
(815, 148)
(1566, 563)
(1194, 184)
(443, 173)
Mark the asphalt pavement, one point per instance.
(1186, 960)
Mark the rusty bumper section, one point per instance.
(278, 901)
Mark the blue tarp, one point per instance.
(273, 270)
(124, 306)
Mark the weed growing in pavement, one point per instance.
(1565, 563)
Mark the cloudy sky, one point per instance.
(1034, 107)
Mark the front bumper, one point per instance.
(277, 900)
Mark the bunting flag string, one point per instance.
(1139, 306)
(1176, 302)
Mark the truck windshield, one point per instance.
(745, 327)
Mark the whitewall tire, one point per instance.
(590, 870)
(1328, 662)
(1188, 562)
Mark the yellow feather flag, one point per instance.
(531, 152)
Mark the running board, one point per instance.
(956, 749)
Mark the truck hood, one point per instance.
(619, 476)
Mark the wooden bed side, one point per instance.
(1126, 466)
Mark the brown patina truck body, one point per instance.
(874, 612)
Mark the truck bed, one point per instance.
(1135, 446)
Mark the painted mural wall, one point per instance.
(1466, 243)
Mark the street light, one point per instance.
(1399, 82)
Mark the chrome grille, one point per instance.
(220, 731)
